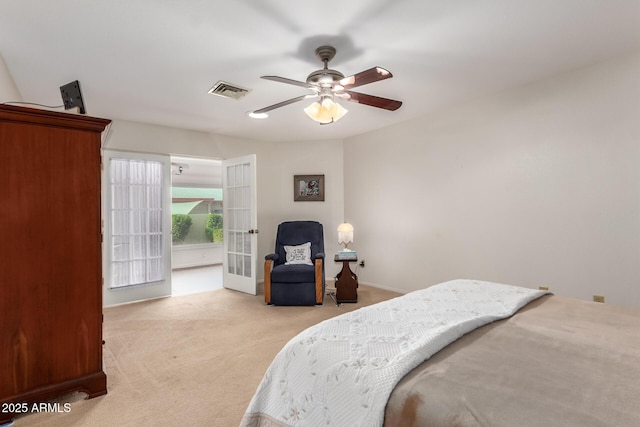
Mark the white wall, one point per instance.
(8, 90)
(539, 185)
(276, 165)
(196, 255)
(146, 138)
(276, 192)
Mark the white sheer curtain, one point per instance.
(136, 222)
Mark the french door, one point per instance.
(137, 227)
(239, 224)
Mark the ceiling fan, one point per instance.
(328, 86)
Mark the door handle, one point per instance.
(253, 231)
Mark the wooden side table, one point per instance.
(346, 282)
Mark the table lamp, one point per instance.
(345, 235)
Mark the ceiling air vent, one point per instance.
(228, 90)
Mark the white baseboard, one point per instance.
(386, 288)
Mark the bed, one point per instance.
(462, 353)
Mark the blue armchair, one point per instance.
(294, 273)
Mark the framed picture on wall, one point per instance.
(308, 188)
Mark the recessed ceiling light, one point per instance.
(257, 115)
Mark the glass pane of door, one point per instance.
(137, 227)
(240, 230)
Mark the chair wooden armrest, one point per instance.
(319, 290)
(268, 265)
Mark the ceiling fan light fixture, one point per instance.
(326, 112)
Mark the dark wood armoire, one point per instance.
(50, 256)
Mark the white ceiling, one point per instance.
(153, 61)
(196, 172)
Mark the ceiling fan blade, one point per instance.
(283, 103)
(373, 101)
(288, 81)
(371, 75)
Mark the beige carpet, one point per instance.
(192, 360)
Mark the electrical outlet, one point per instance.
(543, 288)
(361, 263)
(598, 298)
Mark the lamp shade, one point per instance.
(345, 234)
(326, 111)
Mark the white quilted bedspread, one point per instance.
(341, 372)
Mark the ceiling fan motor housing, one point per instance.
(326, 76)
